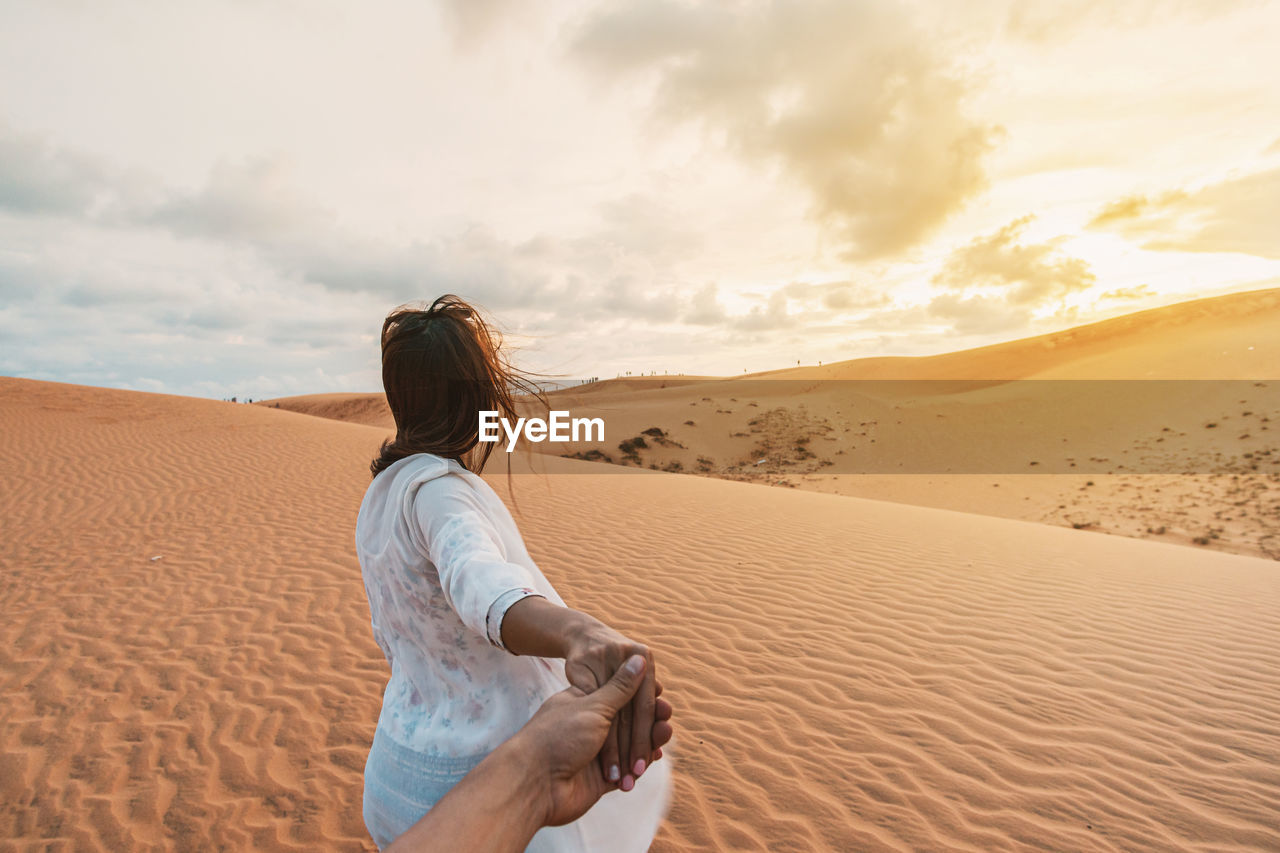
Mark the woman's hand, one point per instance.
(571, 727)
(593, 654)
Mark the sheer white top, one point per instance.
(442, 561)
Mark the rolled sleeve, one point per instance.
(498, 611)
(463, 545)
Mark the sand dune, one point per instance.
(1172, 439)
(368, 409)
(848, 674)
(1163, 420)
(1220, 337)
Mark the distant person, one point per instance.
(466, 620)
(544, 775)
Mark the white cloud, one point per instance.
(1236, 215)
(1025, 274)
(848, 97)
(771, 317)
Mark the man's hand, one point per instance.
(593, 654)
(563, 738)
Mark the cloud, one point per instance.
(1141, 291)
(114, 306)
(644, 224)
(623, 269)
(620, 269)
(771, 317)
(705, 308)
(1063, 19)
(472, 21)
(979, 314)
(1025, 274)
(847, 97)
(255, 204)
(37, 178)
(250, 201)
(836, 295)
(995, 283)
(798, 304)
(1236, 215)
(247, 263)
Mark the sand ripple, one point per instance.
(858, 675)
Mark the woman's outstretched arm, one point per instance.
(592, 652)
(497, 599)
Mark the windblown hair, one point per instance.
(442, 366)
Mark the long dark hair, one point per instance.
(442, 366)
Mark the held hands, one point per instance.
(546, 774)
(594, 653)
(564, 737)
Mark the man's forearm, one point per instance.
(535, 626)
(496, 807)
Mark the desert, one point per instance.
(188, 662)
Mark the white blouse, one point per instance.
(442, 561)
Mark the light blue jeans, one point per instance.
(400, 785)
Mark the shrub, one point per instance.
(592, 455)
(631, 445)
(631, 448)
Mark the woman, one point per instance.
(463, 615)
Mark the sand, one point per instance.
(186, 655)
(187, 663)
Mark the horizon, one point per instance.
(551, 384)
(722, 189)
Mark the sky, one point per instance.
(225, 199)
